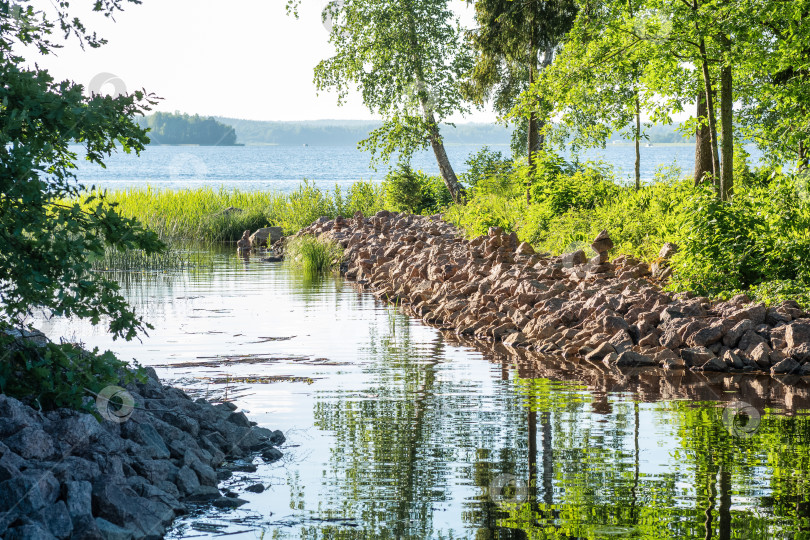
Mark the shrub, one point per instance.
(485, 164)
(415, 192)
(53, 376)
(761, 236)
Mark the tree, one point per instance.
(49, 229)
(594, 84)
(408, 59)
(515, 40)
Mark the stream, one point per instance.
(396, 430)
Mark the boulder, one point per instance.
(266, 236)
(798, 333)
(602, 243)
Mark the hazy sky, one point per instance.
(244, 59)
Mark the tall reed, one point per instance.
(312, 255)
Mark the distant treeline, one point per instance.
(659, 134)
(168, 128)
(349, 132)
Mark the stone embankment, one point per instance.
(65, 474)
(496, 289)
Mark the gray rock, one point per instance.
(668, 314)
(79, 498)
(255, 488)
(85, 528)
(271, 454)
(119, 504)
(57, 519)
(203, 494)
(8, 466)
(706, 336)
(750, 339)
(156, 470)
(147, 436)
(76, 468)
(32, 443)
(110, 531)
(600, 352)
(228, 502)
(14, 416)
(187, 480)
(29, 531)
(29, 492)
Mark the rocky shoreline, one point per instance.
(495, 289)
(155, 454)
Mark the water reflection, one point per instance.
(397, 430)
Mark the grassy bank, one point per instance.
(211, 215)
(758, 244)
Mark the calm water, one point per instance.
(283, 167)
(397, 431)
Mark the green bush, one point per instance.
(54, 376)
(415, 192)
(485, 164)
(763, 235)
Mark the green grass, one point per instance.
(312, 255)
(217, 215)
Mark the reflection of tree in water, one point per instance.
(412, 433)
(393, 450)
(587, 481)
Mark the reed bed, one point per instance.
(312, 255)
(217, 215)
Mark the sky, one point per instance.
(245, 59)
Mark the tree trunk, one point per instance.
(707, 83)
(638, 143)
(727, 126)
(703, 143)
(802, 165)
(448, 175)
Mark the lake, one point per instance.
(282, 168)
(396, 430)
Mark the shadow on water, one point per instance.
(397, 430)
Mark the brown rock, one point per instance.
(600, 352)
(668, 250)
(786, 366)
(714, 364)
(705, 336)
(634, 359)
(602, 243)
(800, 353)
(525, 249)
(798, 333)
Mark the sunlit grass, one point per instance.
(312, 255)
(217, 215)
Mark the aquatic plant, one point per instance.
(312, 255)
(220, 215)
